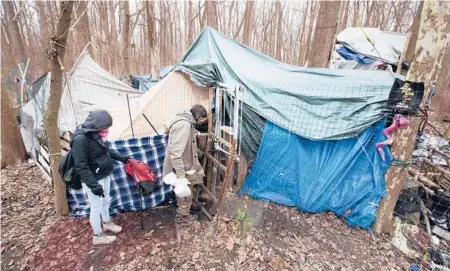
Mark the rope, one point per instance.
(401, 163)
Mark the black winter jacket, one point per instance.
(93, 159)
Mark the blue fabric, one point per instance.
(319, 176)
(165, 71)
(125, 195)
(350, 55)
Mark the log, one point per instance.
(441, 170)
(425, 216)
(422, 178)
(428, 190)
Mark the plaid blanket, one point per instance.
(124, 193)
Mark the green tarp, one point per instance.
(311, 102)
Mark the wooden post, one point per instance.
(228, 174)
(432, 39)
(217, 155)
(209, 143)
(242, 171)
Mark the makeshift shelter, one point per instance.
(172, 94)
(87, 87)
(318, 146)
(354, 51)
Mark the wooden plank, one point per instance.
(242, 170)
(209, 143)
(213, 160)
(228, 174)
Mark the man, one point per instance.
(181, 155)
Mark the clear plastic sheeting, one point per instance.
(292, 97)
(344, 176)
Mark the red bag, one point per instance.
(142, 175)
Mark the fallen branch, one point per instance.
(428, 190)
(434, 150)
(441, 170)
(422, 178)
(425, 216)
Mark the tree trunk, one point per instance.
(414, 34)
(312, 15)
(356, 22)
(125, 9)
(83, 26)
(14, 22)
(279, 35)
(12, 148)
(45, 35)
(190, 25)
(302, 34)
(151, 30)
(324, 33)
(431, 41)
(162, 34)
(248, 21)
(211, 13)
(54, 101)
(346, 5)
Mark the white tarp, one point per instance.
(170, 96)
(87, 87)
(389, 45)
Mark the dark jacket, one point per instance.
(93, 159)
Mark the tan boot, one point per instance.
(110, 226)
(103, 239)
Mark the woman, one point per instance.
(93, 161)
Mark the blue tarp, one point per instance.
(350, 55)
(318, 176)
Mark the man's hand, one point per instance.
(181, 175)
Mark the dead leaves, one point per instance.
(27, 213)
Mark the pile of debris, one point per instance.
(424, 204)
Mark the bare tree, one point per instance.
(279, 31)
(125, 8)
(13, 20)
(414, 34)
(57, 54)
(151, 30)
(324, 33)
(248, 21)
(83, 26)
(12, 147)
(211, 14)
(433, 35)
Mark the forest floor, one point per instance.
(248, 235)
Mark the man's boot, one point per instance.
(183, 219)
